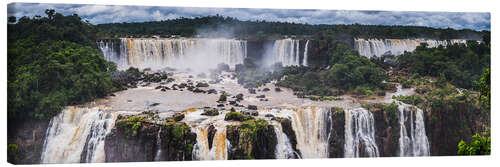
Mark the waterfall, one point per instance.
(285, 51)
(359, 134)
(158, 146)
(73, 129)
(157, 53)
(379, 47)
(415, 143)
(220, 145)
(311, 129)
(304, 61)
(284, 149)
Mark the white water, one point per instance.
(359, 130)
(198, 54)
(415, 143)
(304, 61)
(285, 51)
(68, 132)
(379, 47)
(158, 146)
(311, 129)
(199, 124)
(284, 149)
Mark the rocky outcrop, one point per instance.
(387, 128)
(337, 133)
(135, 140)
(26, 139)
(286, 124)
(253, 139)
(447, 124)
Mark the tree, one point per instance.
(12, 19)
(484, 88)
(479, 145)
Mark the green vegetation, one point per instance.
(484, 88)
(325, 98)
(249, 133)
(211, 112)
(202, 84)
(459, 64)
(480, 145)
(391, 110)
(187, 27)
(12, 152)
(52, 64)
(348, 72)
(411, 99)
(223, 97)
(131, 125)
(237, 116)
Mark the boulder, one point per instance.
(252, 107)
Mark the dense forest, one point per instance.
(53, 62)
(220, 25)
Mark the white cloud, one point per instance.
(98, 14)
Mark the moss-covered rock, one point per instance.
(252, 139)
(138, 134)
(337, 133)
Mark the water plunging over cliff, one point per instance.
(286, 51)
(284, 149)
(304, 61)
(75, 131)
(359, 134)
(200, 125)
(157, 53)
(379, 47)
(415, 143)
(311, 128)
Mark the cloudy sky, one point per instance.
(98, 14)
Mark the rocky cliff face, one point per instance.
(28, 136)
(286, 124)
(135, 140)
(254, 139)
(337, 139)
(447, 124)
(387, 131)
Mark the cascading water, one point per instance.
(286, 51)
(284, 149)
(415, 143)
(220, 145)
(359, 134)
(158, 146)
(379, 47)
(304, 61)
(311, 128)
(72, 130)
(157, 53)
(200, 125)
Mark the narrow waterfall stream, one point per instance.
(284, 149)
(158, 146)
(304, 61)
(414, 142)
(360, 134)
(73, 129)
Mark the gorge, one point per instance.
(291, 128)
